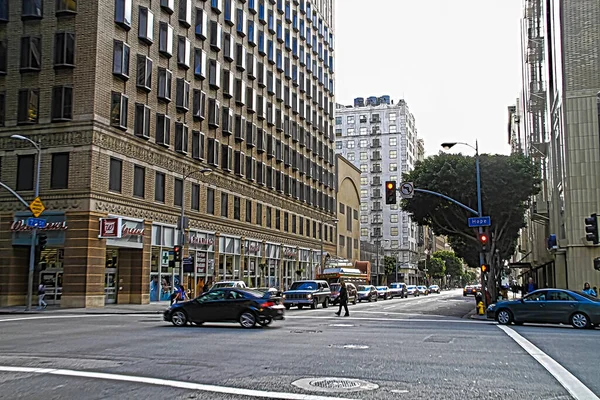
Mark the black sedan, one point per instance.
(246, 306)
(549, 306)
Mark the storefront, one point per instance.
(316, 263)
(162, 268)
(229, 258)
(304, 263)
(124, 252)
(272, 264)
(50, 268)
(253, 252)
(290, 263)
(202, 252)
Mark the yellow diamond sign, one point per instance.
(37, 207)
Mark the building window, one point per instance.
(144, 73)
(146, 25)
(118, 111)
(159, 187)
(165, 39)
(115, 175)
(64, 49)
(201, 24)
(141, 126)
(364, 193)
(249, 211)
(59, 176)
(199, 64)
(181, 138)
(224, 205)
(31, 53)
(286, 222)
(259, 214)
(197, 145)
(392, 117)
(139, 181)
(3, 56)
(178, 192)
(184, 49)
(393, 154)
(123, 13)
(393, 129)
(236, 208)
(199, 105)
(185, 13)
(65, 7)
(269, 217)
(364, 156)
(62, 103)
(25, 165)
(2, 109)
(182, 95)
(195, 197)
(394, 218)
(210, 201)
(393, 141)
(393, 167)
(32, 9)
(278, 219)
(163, 129)
(29, 102)
(164, 84)
(350, 144)
(121, 60)
(394, 231)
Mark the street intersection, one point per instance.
(415, 348)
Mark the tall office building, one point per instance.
(380, 138)
(560, 126)
(128, 99)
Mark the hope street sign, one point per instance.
(36, 223)
(476, 222)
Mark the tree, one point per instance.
(389, 264)
(507, 184)
(453, 264)
(436, 267)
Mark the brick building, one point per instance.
(128, 98)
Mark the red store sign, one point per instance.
(117, 228)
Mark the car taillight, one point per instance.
(268, 304)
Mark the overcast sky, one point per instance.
(456, 63)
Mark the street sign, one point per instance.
(36, 222)
(407, 190)
(476, 222)
(37, 207)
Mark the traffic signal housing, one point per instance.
(390, 192)
(42, 241)
(483, 240)
(484, 268)
(177, 253)
(597, 263)
(591, 229)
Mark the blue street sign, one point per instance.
(476, 222)
(36, 223)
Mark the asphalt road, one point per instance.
(416, 348)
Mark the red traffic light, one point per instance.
(483, 238)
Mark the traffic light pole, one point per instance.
(33, 233)
(480, 214)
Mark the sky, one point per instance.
(457, 63)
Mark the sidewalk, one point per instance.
(152, 308)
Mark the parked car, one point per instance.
(398, 289)
(229, 284)
(434, 289)
(274, 291)
(549, 306)
(412, 290)
(307, 293)
(470, 290)
(335, 292)
(383, 292)
(246, 306)
(367, 292)
(423, 290)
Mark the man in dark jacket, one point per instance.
(343, 299)
(529, 287)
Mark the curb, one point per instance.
(65, 312)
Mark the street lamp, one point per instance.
(448, 146)
(34, 229)
(205, 172)
(334, 220)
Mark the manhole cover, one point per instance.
(438, 339)
(305, 331)
(341, 325)
(350, 346)
(334, 384)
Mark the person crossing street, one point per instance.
(343, 299)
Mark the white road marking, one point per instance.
(573, 385)
(169, 383)
(71, 316)
(399, 313)
(458, 321)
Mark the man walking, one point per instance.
(529, 287)
(343, 299)
(41, 295)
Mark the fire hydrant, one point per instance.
(480, 308)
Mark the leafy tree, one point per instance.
(469, 277)
(389, 263)
(453, 264)
(507, 183)
(436, 267)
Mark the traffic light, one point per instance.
(483, 240)
(597, 263)
(390, 192)
(42, 240)
(484, 269)
(177, 253)
(591, 229)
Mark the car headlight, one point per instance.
(309, 296)
(283, 296)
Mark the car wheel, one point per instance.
(265, 322)
(580, 321)
(314, 304)
(247, 320)
(326, 303)
(504, 317)
(287, 306)
(179, 318)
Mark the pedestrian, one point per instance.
(529, 287)
(588, 290)
(343, 299)
(41, 295)
(175, 295)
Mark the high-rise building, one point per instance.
(561, 82)
(128, 101)
(380, 138)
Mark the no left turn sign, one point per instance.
(407, 190)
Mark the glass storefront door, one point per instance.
(52, 279)
(110, 286)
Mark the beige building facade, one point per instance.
(348, 213)
(128, 100)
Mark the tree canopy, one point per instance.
(507, 183)
(389, 263)
(435, 267)
(453, 264)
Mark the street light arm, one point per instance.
(205, 171)
(21, 137)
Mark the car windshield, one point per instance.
(255, 293)
(363, 288)
(335, 287)
(381, 288)
(587, 296)
(223, 284)
(411, 287)
(304, 286)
